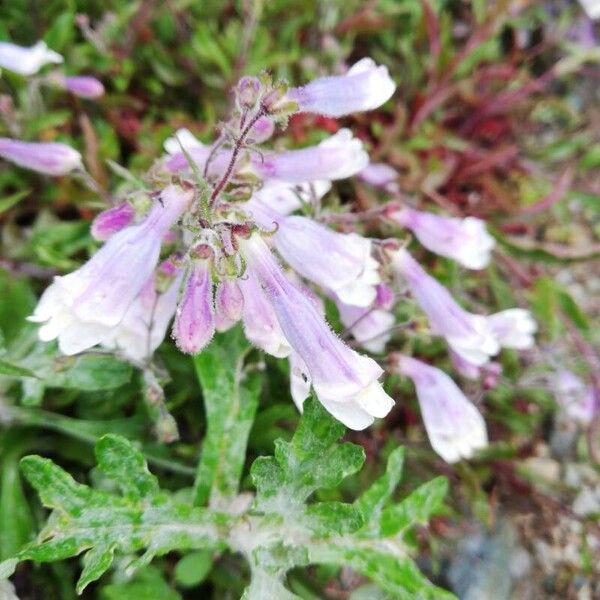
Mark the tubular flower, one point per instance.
(81, 308)
(109, 221)
(27, 61)
(514, 328)
(338, 375)
(341, 262)
(468, 335)
(454, 426)
(194, 324)
(464, 240)
(474, 338)
(145, 322)
(83, 86)
(49, 158)
(229, 304)
(380, 175)
(575, 397)
(259, 319)
(285, 198)
(337, 157)
(370, 327)
(365, 86)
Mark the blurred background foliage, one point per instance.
(496, 115)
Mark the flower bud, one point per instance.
(194, 324)
(112, 220)
(82, 86)
(248, 92)
(229, 303)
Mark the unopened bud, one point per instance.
(275, 98)
(248, 92)
(203, 251)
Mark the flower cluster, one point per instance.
(229, 233)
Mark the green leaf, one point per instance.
(395, 574)
(85, 519)
(10, 201)
(9, 370)
(126, 465)
(417, 508)
(193, 568)
(147, 584)
(372, 501)
(16, 521)
(310, 461)
(95, 563)
(230, 400)
(86, 372)
(282, 530)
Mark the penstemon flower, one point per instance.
(194, 324)
(147, 319)
(259, 319)
(83, 86)
(371, 327)
(81, 309)
(337, 261)
(338, 374)
(474, 338)
(49, 158)
(463, 240)
(576, 399)
(336, 157)
(454, 426)
(380, 175)
(109, 221)
(467, 334)
(27, 61)
(364, 87)
(229, 304)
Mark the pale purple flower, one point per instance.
(259, 319)
(576, 398)
(384, 297)
(454, 426)
(463, 240)
(345, 382)
(382, 176)
(490, 371)
(112, 220)
(229, 304)
(198, 152)
(591, 7)
(337, 157)
(194, 324)
(82, 308)
(285, 198)
(27, 61)
(464, 367)
(145, 322)
(371, 327)
(469, 335)
(49, 158)
(513, 328)
(182, 138)
(365, 86)
(83, 86)
(262, 130)
(341, 262)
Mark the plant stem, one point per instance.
(234, 156)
